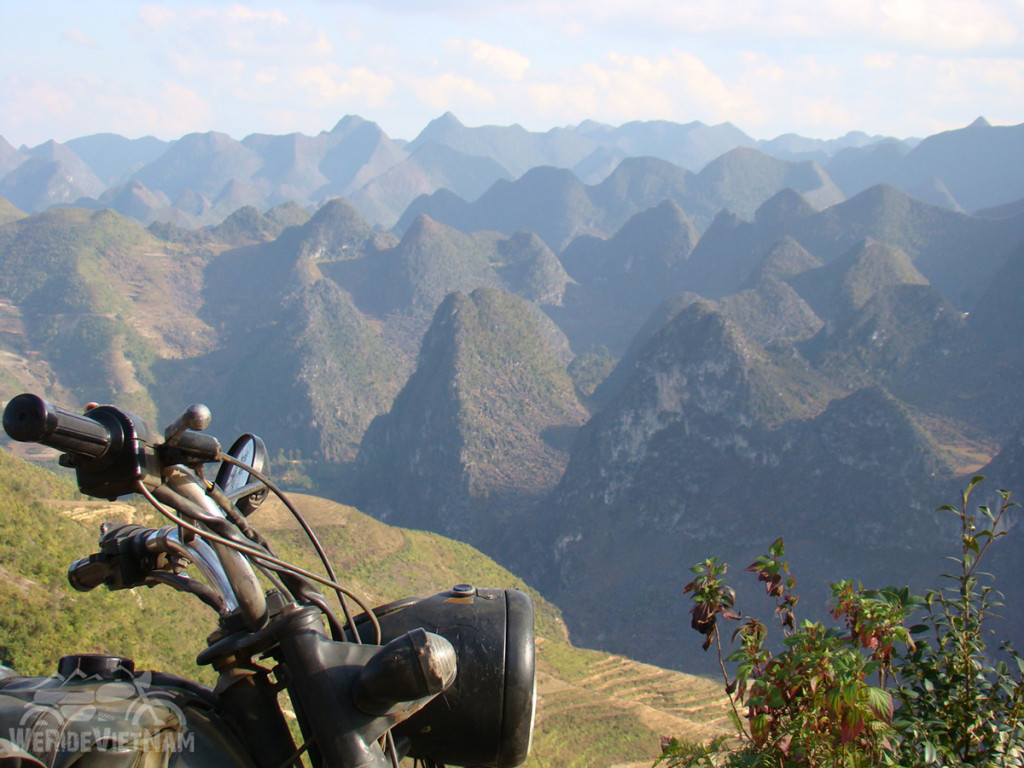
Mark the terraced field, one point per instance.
(597, 709)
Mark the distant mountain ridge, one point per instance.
(556, 205)
(194, 180)
(938, 241)
(975, 166)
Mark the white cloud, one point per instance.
(563, 102)
(256, 65)
(84, 105)
(891, 93)
(505, 62)
(178, 110)
(827, 115)
(623, 87)
(950, 25)
(967, 81)
(357, 87)
(819, 67)
(449, 91)
(199, 38)
(266, 76)
(880, 60)
(242, 13)
(79, 37)
(157, 17)
(30, 102)
(765, 95)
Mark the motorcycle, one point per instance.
(446, 680)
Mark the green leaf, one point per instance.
(850, 694)
(880, 703)
(759, 729)
(736, 722)
(931, 755)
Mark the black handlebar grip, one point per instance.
(30, 419)
(89, 572)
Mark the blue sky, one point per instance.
(815, 67)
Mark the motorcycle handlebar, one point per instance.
(30, 419)
(118, 563)
(90, 572)
(132, 555)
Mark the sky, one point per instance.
(818, 68)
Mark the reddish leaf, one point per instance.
(850, 726)
(759, 729)
(703, 618)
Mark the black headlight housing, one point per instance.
(486, 717)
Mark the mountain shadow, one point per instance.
(619, 282)
(292, 335)
(731, 249)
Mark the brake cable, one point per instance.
(321, 553)
(264, 557)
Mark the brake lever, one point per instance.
(184, 442)
(197, 416)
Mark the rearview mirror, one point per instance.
(242, 488)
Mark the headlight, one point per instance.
(486, 717)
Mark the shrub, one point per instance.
(871, 691)
(957, 707)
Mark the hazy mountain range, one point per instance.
(598, 382)
(200, 179)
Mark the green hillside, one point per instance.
(9, 212)
(100, 299)
(42, 618)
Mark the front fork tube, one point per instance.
(251, 709)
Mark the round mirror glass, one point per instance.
(244, 490)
